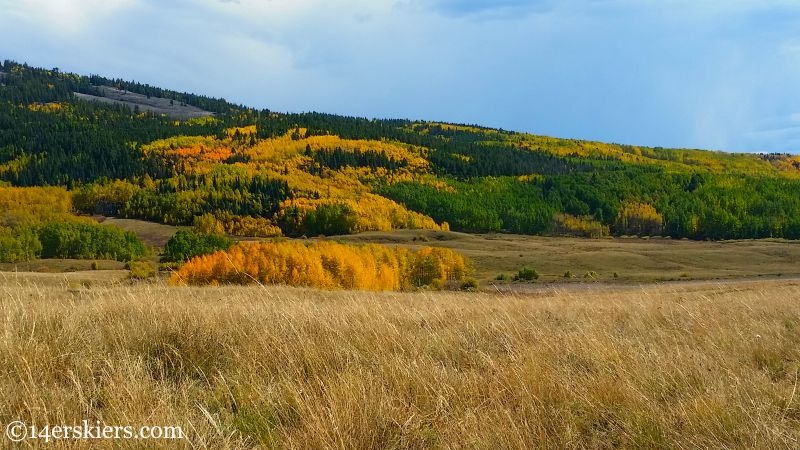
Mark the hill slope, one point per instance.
(261, 173)
(156, 105)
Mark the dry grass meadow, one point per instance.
(671, 366)
(635, 260)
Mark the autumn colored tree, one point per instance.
(584, 226)
(23, 245)
(208, 224)
(326, 265)
(640, 219)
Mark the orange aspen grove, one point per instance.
(326, 265)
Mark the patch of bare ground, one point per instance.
(151, 233)
(155, 105)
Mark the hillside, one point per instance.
(156, 105)
(139, 152)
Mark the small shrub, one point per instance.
(470, 284)
(616, 275)
(435, 285)
(590, 275)
(502, 277)
(527, 274)
(169, 266)
(568, 274)
(95, 266)
(141, 270)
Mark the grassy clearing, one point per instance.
(152, 234)
(237, 367)
(155, 105)
(61, 265)
(633, 259)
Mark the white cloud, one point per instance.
(62, 16)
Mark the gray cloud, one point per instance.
(682, 74)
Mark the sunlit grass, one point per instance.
(238, 367)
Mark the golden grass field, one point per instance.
(634, 260)
(692, 365)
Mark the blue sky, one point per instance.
(721, 74)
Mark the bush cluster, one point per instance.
(185, 245)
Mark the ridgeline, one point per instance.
(135, 151)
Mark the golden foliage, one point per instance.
(434, 266)
(532, 178)
(425, 128)
(325, 265)
(251, 227)
(434, 182)
(208, 224)
(284, 147)
(373, 213)
(585, 226)
(195, 152)
(639, 219)
(242, 131)
(244, 226)
(17, 165)
(95, 196)
(679, 160)
(202, 121)
(787, 163)
(285, 158)
(45, 107)
(26, 206)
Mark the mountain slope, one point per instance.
(155, 105)
(261, 173)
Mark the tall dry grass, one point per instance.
(249, 367)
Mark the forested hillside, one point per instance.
(248, 172)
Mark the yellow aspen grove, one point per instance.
(638, 218)
(585, 226)
(28, 206)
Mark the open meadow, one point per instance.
(634, 260)
(678, 365)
